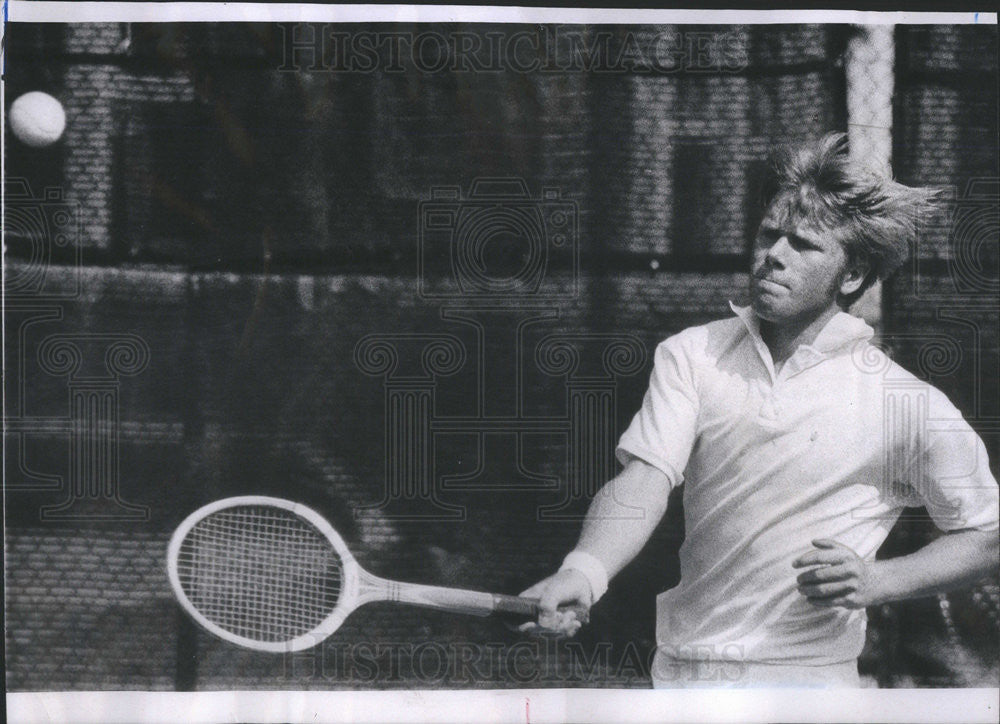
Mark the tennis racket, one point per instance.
(273, 575)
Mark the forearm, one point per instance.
(952, 561)
(624, 514)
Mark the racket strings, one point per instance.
(260, 572)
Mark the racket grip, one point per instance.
(528, 607)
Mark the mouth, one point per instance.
(768, 283)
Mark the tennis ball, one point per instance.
(37, 119)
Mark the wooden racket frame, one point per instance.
(358, 586)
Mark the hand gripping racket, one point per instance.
(273, 575)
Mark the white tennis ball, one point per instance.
(37, 119)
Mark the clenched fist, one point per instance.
(564, 600)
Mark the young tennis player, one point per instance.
(798, 444)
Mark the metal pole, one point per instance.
(869, 70)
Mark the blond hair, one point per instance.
(875, 217)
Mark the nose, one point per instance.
(776, 253)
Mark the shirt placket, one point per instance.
(769, 408)
(803, 359)
(775, 391)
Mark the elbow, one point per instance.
(988, 553)
(993, 552)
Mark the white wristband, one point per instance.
(592, 569)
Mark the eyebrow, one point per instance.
(807, 238)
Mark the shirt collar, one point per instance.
(842, 329)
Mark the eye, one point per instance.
(804, 244)
(766, 237)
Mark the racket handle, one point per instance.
(457, 600)
(528, 607)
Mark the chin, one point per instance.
(764, 310)
(773, 313)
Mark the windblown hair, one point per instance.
(875, 217)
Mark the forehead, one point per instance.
(801, 213)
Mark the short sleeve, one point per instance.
(956, 484)
(662, 433)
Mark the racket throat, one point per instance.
(473, 603)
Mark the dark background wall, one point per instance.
(245, 227)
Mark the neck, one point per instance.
(782, 339)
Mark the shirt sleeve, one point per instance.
(956, 484)
(662, 433)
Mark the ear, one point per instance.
(854, 275)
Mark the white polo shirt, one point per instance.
(832, 446)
